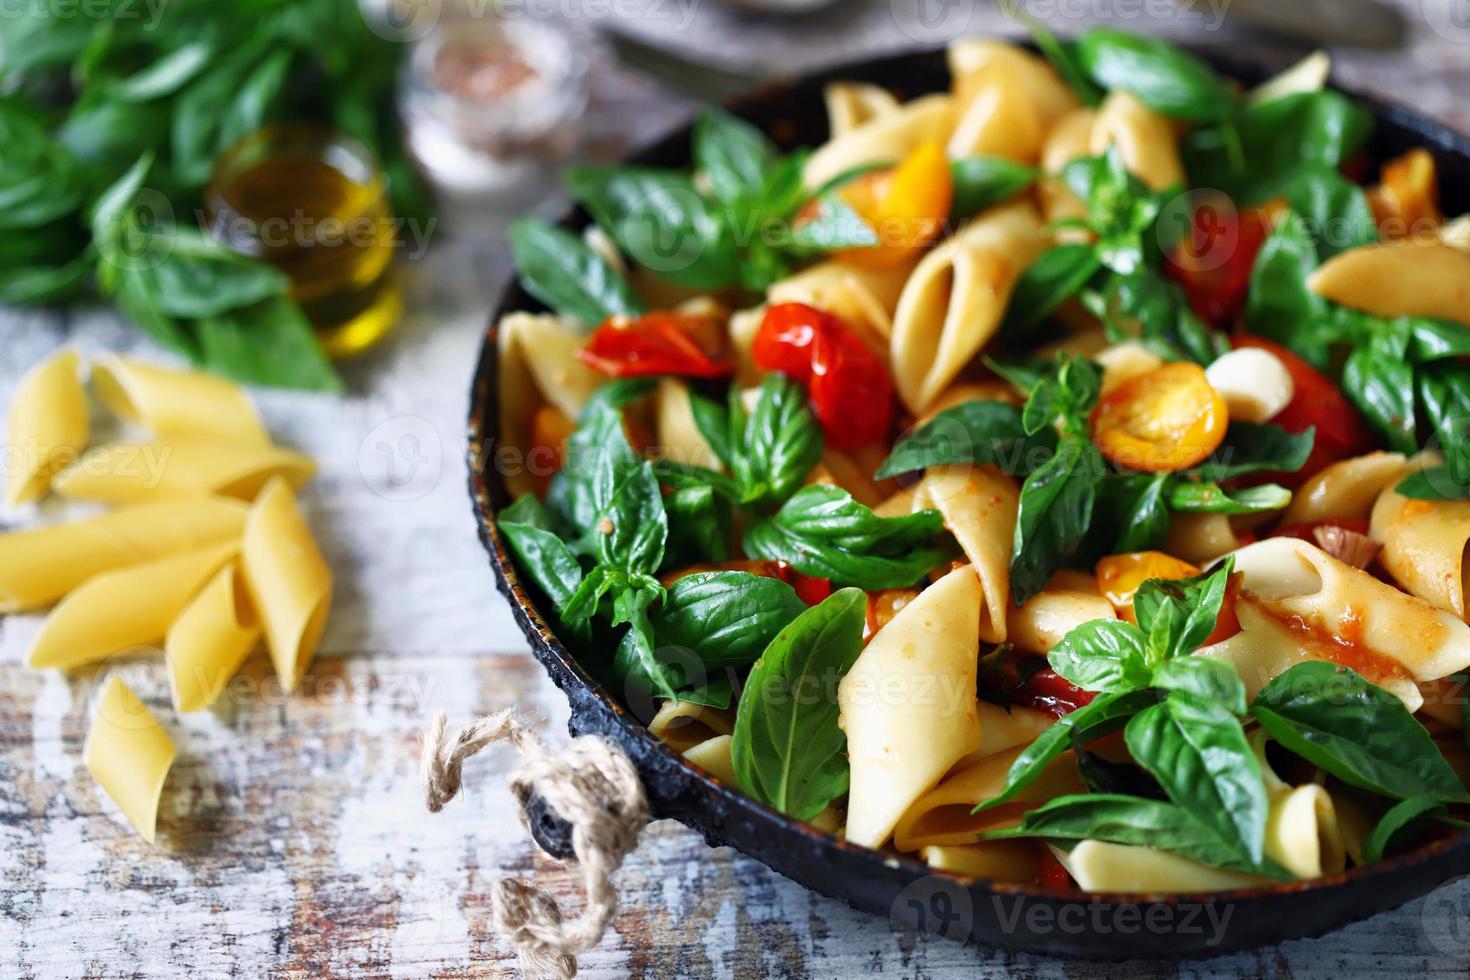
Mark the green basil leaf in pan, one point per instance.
(1338, 721)
(982, 182)
(1057, 275)
(787, 748)
(568, 275)
(1054, 514)
(1279, 305)
(733, 155)
(1103, 655)
(1253, 448)
(1204, 677)
(1198, 752)
(1211, 498)
(725, 618)
(972, 432)
(700, 526)
(545, 558)
(1160, 75)
(1402, 816)
(1182, 611)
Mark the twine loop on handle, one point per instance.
(593, 786)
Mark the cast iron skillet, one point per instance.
(1070, 923)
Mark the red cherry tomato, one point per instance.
(1052, 873)
(1048, 691)
(655, 343)
(850, 390)
(809, 589)
(1213, 262)
(1341, 432)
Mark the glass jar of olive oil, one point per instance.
(314, 204)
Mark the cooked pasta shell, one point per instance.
(714, 757)
(1004, 729)
(1424, 544)
(683, 724)
(908, 705)
(1070, 139)
(955, 300)
(1098, 866)
(994, 860)
(852, 104)
(120, 610)
(996, 119)
(1456, 234)
(1043, 87)
(289, 581)
(1307, 75)
(1407, 278)
(883, 139)
(1345, 489)
(1200, 538)
(1145, 139)
(679, 438)
(178, 406)
(979, 504)
(1041, 622)
(125, 473)
(47, 427)
(129, 754)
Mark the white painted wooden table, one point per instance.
(292, 838)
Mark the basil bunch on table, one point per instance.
(95, 191)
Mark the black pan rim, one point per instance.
(1441, 860)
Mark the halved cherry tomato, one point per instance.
(550, 429)
(1213, 263)
(808, 588)
(1052, 873)
(1227, 623)
(1406, 201)
(1048, 691)
(850, 390)
(905, 206)
(1168, 419)
(1119, 576)
(1341, 432)
(883, 606)
(655, 343)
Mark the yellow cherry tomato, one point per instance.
(1119, 576)
(906, 207)
(1168, 419)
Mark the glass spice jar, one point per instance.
(313, 203)
(491, 107)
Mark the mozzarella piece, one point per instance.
(1254, 383)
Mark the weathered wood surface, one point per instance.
(292, 839)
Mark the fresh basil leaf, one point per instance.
(1432, 340)
(1203, 677)
(824, 533)
(1182, 611)
(700, 527)
(637, 656)
(1433, 483)
(687, 476)
(40, 180)
(1104, 715)
(29, 285)
(1380, 382)
(733, 155)
(1135, 503)
(1252, 448)
(166, 75)
(713, 423)
(1335, 719)
(196, 276)
(1140, 823)
(268, 343)
(1159, 74)
(1279, 305)
(1053, 516)
(1335, 208)
(972, 432)
(568, 275)
(1321, 130)
(833, 225)
(1164, 319)
(726, 618)
(597, 451)
(1198, 752)
(1443, 388)
(1103, 655)
(1063, 56)
(788, 749)
(1211, 498)
(1398, 818)
(230, 99)
(1055, 276)
(659, 219)
(544, 557)
(981, 183)
(781, 443)
(1116, 778)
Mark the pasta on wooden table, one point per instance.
(41, 565)
(47, 427)
(178, 405)
(125, 609)
(129, 754)
(289, 581)
(209, 640)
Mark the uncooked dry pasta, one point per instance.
(289, 581)
(125, 473)
(209, 640)
(178, 405)
(47, 427)
(129, 754)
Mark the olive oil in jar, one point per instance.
(314, 204)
